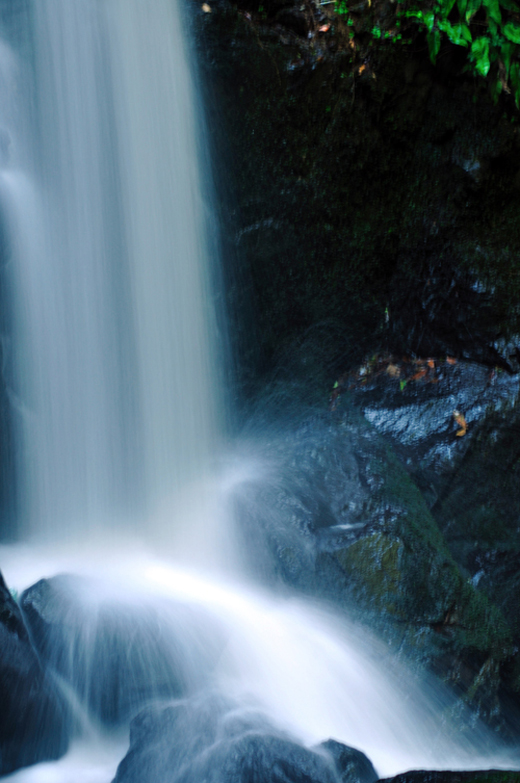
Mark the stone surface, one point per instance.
(33, 717)
(485, 776)
(369, 200)
(336, 514)
(213, 740)
(119, 652)
(353, 766)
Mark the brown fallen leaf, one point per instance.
(206, 8)
(393, 371)
(430, 363)
(324, 28)
(419, 375)
(451, 360)
(461, 421)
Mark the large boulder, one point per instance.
(213, 740)
(118, 652)
(33, 717)
(455, 425)
(337, 515)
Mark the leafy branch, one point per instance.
(488, 29)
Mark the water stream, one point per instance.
(112, 365)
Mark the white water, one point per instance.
(113, 327)
(313, 674)
(115, 388)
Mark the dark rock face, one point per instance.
(370, 199)
(33, 718)
(211, 740)
(468, 475)
(116, 654)
(414, 404)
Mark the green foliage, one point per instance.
(479, 55)
(488, 29)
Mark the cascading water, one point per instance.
(114, 384)
(113, 258)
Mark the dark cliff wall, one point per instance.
(371, 198)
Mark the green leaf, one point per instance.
(465, 32)
(512, 32)
(414, 12)
(458, 34)
(429, 19)
(480, 55)
(506, 50)
(402, 384)
(493, 10)
(434, 44)
(472, 8)
(492, 28)
(497, 89)
(461, 5)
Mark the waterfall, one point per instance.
(115, 377)
(112, 367)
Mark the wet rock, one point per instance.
(118, 651)
(469, 475)
(338, 516)
(478, 508)
(33, 718)
(415, 405)
(353, 766)
(215, 741)
(485, 776)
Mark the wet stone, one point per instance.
(33, 717)
(213, 740)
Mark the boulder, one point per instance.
(352, 765)
(120, 652)
(33, 716)
(213, 740)
(338, 515)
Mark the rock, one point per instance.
(33, 717)
(337, 515)
(485, 776)
(360, 187)
(213, 740)
(118, 652)
(470, 481)
(352, 765)
(415, 406)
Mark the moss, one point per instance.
(373, 564)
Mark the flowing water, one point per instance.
(112, 364)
